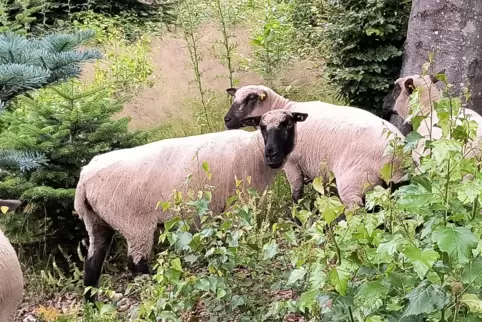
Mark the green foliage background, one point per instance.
(362, 43)
(416, 259)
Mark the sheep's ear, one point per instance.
(251, 121)
(231, 91)
(433, 77)
(299, 117)
(409, 85)
(262, 95)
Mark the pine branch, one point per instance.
(25, 161)
(17, 78)
(27, 64)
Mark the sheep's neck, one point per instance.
(279, 102)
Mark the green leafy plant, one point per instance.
(363, 42)
(416, 259)
(272, 42)
(189, 18)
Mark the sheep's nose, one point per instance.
(272, 154)
(227, 119)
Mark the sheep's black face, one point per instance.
(278, 130)
(389, 102)
(246, 103)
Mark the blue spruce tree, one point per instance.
(33, 63)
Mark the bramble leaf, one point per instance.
(339, 279)
(372, 290)
(472, 273)
(456, 241)
(473, 302)
(422, 260)
(296, 275)
(425, 298)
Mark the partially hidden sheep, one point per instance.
(350, 141)
(11, 277)
(429, 94)
(119, 190)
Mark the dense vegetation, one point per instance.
(416, 259)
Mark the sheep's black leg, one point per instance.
(139, 247)
(100, 243)
(139, 268)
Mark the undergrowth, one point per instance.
(416, 259)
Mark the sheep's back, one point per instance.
(345, 137)
(130, 182)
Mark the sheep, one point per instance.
(11, 277)
(350, 140)
(429, 94)
(118, 191)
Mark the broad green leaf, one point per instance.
(237, 301)
(317, 276)
(220, 293)
(176, 264)
(373, 290)
(318, 185)
(401, 281)
(414, 196)
(472, 273)
(427, 227)
(339, 279)
(173, 275)
(394, 305)
(203, 284)
(412, 139)
(456, 241)
(330, 208)
(443, 149)
(370, 31)
(302, 215)
(307, 299)
(165, 205)
(422, 260)
(167, 316)
(168, 224)
(230, 200)
(371, 223)
(296, 275)
(107, 308)
(425, 298)
(473, 302)
(205, 166)
(374, 318)
(184, 238)
(386, 250)
(190, 258)
(270, 250)
(290, 237)
(202, 206)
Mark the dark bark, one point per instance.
(452, 29)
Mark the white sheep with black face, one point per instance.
(350, 140)
(429, 94)
(11, 277)
(119, 190)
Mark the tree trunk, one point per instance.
(452, 29)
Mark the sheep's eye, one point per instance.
(289, 124)
(252, 97)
